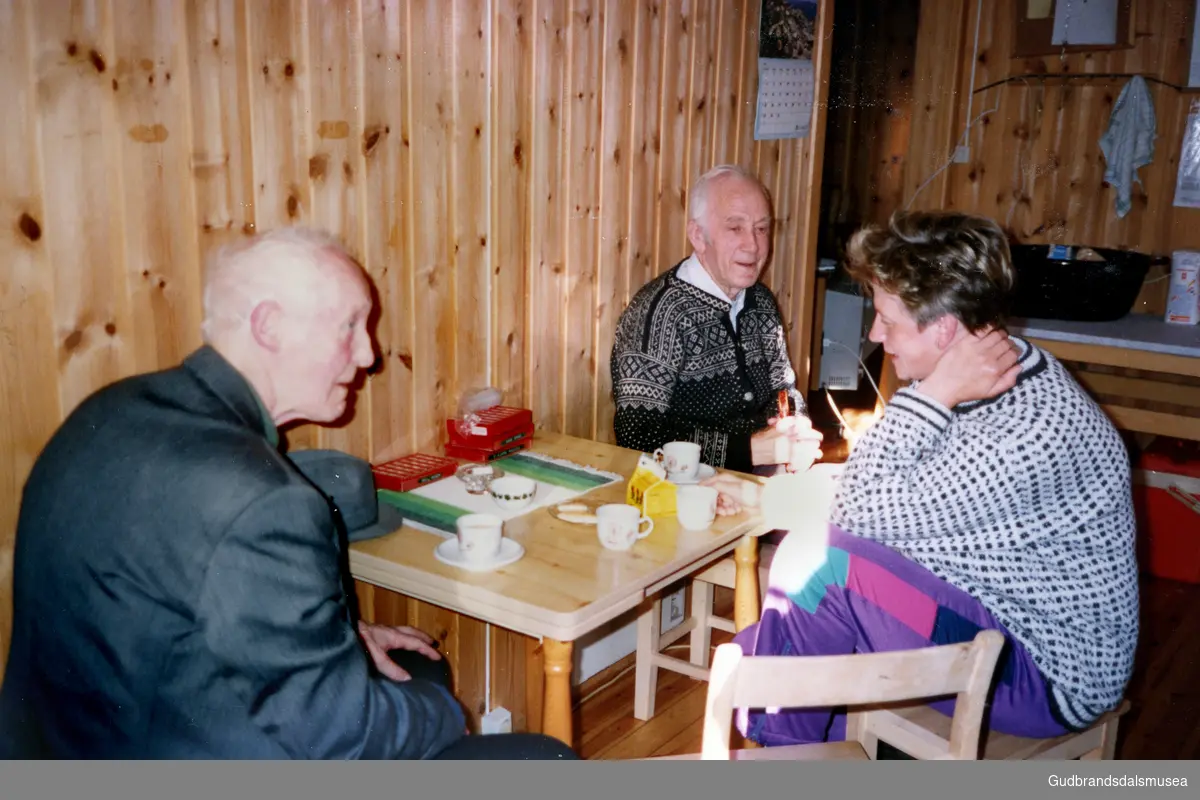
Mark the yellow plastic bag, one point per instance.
(650, 490)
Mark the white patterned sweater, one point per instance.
(1024, 502)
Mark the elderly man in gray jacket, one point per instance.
(178, 581)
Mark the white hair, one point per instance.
(243, 274)
(698, 196)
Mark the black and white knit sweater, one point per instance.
(680, 371)
(1022, 501)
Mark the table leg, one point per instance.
(745, 587)
(556, 708)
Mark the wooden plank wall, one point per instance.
(1036, 165)
(508, 171)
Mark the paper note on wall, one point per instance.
(1187, 181)
(1085, 22)
(1194, 66)
(1038, 9)
(785, 98)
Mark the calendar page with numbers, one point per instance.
(785, 98)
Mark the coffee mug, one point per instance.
(696, 506)
(619, 525)
(681, 459)
(479, 536)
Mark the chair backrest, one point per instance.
(964, 670)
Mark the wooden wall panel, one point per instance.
(150, 87)
(1036, 164)
(385, 144)
(513, 26)
(548, 154)
(29, 382)
(509, 172)
(585, 62)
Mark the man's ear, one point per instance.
(695, 234)
(947, 328)
(265, 325)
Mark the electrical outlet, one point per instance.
(672, 609)
(498, 720)
(962, 154)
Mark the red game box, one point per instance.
(484, 455)
(411, 471)
(496, 441)
(494, 422)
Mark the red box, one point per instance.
(411, 471)
(1166, 496)
(493, 422)
(484, 455)
(495, 441)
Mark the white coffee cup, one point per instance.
(479, 536)
(619, 525)
(696, 507)
(681, 459)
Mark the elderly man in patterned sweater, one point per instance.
(700, 354)
(993, 493)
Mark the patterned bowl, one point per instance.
(513, 492)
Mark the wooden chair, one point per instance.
(858, 682)
(920, 728)
(652, 644)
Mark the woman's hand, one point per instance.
(733, 494)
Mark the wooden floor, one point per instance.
(1165, 692)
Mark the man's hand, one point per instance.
(791, 441)
(733, 494)
(976, 367)
(379, 639)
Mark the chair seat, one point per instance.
(824, 751)
(999, 746)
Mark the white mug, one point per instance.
(619, 525)
(696, 506)
(681, 459)
(479, 536)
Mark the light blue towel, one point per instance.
(1129, 141)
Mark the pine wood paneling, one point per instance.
(29, 382)
(509, 172)
(1036, 164)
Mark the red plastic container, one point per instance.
(493, 422)
(408, 472)
(1166, 496)
(484, 455)
(495, 441)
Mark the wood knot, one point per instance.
(29, 228)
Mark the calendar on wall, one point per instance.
(785, 98)
(785, 69)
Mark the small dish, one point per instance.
(704, 473)
(512, 492)
(478, 477)
(448, 552)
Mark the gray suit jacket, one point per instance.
(177, 593)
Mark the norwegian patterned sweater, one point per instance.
(680, 371)
(1024, 502)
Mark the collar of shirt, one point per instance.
(693, 272)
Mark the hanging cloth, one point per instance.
(1128, 144)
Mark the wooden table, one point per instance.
(1135, 342)
(567, 584)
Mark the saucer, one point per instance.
(703, 473)
(448, 553)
